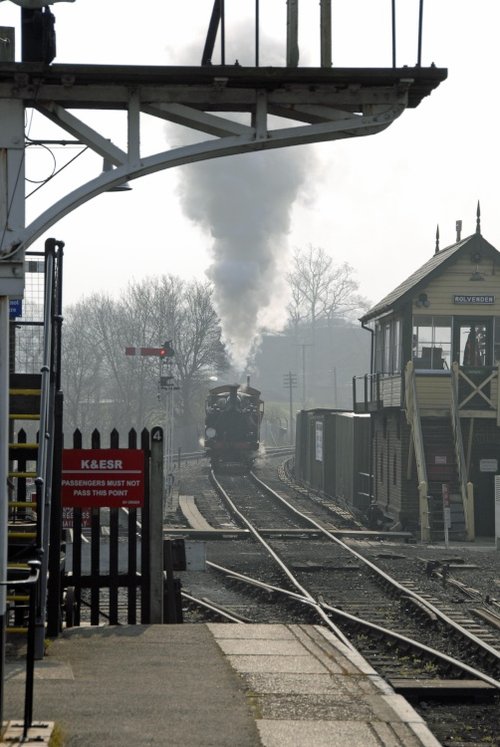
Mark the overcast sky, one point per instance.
(373, 202)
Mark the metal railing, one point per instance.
(32, 582)
(217, 29)
(46, 433)
(370, 391)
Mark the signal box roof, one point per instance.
(434, 266)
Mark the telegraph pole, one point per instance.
(290, 382)
(304, 345)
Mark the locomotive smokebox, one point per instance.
(232, 425)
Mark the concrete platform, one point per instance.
(212, 684)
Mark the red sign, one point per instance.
(94, 478)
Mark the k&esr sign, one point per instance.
(98, 478)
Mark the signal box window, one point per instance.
(474, 344)
(432, 342)
(388, 346)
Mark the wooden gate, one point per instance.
(107, 570)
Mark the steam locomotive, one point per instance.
(233, 414)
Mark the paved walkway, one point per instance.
(213, 684)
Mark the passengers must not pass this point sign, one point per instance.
(97, 478)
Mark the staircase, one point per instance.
(442, 469)
(36, 406)
(23, 530)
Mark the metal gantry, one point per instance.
(320, 104)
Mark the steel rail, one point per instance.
(279, 562)
(415, 644)
(382, 574)
(212, 608)
(259, 584)
(191, 456)
(399, 637)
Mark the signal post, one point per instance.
(166, 354)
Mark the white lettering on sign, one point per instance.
(488, 465)
(84, 483)
(483, 299)
(98, 478)
(101, 464)
(319, 441)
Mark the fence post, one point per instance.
(156, 526)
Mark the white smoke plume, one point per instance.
(245, 203)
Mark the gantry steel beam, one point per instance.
(284, 107)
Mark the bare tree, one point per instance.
(96, 369)
(323, 295)
(320, 289)
(199, 352)
(82, 379)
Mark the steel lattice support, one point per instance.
(321, 104)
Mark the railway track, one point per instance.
(348, 581)
(417, 646)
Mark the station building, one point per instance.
(433, 393)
